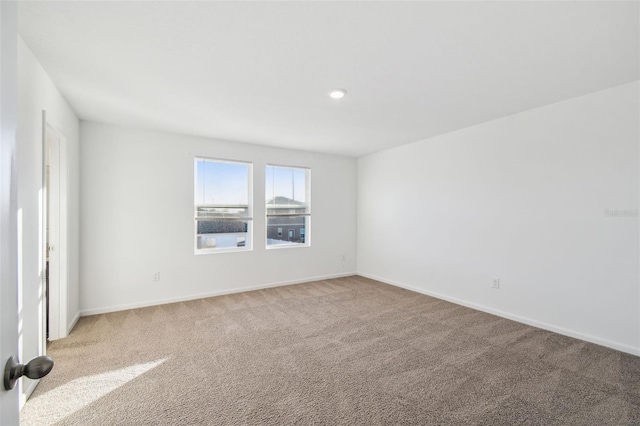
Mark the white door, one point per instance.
(56, 231)
(9, 414)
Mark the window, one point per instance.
(222, 205)
(288, 206)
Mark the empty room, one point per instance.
(320, 212)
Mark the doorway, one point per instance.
(54, 231)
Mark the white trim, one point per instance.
(107, 309)
(286, 246)
(42, 240)
(545, 326)
(27, 391)
(214, 250)
(64, 234)
(73, 323)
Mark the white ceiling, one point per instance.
(261, 72)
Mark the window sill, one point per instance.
(198, 252)
(287, 246)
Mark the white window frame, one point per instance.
(307, 233)
(249, 218)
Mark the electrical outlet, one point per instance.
(156, 276)
(496, 283)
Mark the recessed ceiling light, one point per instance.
(337, 93)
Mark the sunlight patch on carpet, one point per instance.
(63, 401)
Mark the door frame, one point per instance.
(58, 292)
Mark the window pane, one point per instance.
(287, 230)
(222, 183)
(286, 186)
(222, 234)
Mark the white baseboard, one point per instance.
(545, 326)
(107, 309)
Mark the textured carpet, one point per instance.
(342, 351)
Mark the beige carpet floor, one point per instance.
(342, 351)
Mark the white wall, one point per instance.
(137, 218)
(36, 92)
(521, 198)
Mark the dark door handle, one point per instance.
(37, 368)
